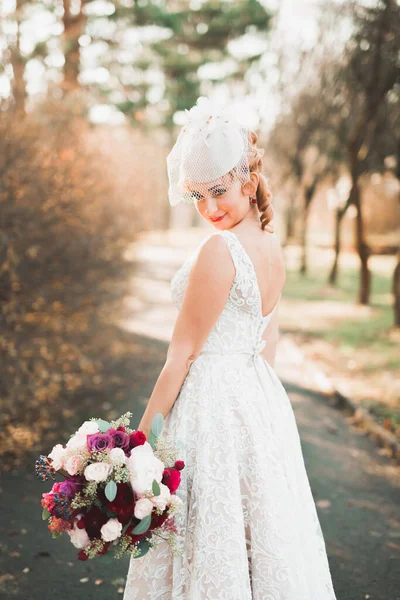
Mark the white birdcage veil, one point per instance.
(211, 144)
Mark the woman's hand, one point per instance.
(146, 430)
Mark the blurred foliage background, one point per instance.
(92, 96)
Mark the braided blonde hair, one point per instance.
(264, 193)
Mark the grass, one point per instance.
(356, 345)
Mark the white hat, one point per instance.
(211, 144)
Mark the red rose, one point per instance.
(158, 520)
(94, 520)
(171, 478)
(137, 438)
(179, 464)
(121, 428)
(82, 555)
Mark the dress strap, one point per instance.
(233, 245)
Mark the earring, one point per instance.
(252, 200)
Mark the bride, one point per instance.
(249, 527)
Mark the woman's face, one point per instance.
(226, 202)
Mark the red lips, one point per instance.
(218, 218)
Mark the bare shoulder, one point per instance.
(214, 259)
(276, 241)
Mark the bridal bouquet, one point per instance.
(118, 490)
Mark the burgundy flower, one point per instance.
(171, 478)
(96, 442)
(179, 464)
(158, 520)
(94, 520)
(105, 548)
(137, 438)
(123, 503)
(135, 537)
(82, 555)
(121, 439)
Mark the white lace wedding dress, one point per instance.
(250, 526)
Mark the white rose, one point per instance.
(175, 501)
(163, 498)
(79, 537)
(117, 456)
(144, 467)
(111, 530)
(143, 507)
(143, 448)
(98, 471)
(88, 427)
(77, 441)
(57, 455)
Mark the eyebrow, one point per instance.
(215, 186)
(209, 189)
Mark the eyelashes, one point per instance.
(217, 192)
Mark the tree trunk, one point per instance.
(338, 222)
(74, 27)
(18, 67)
(290, 218)
(361, 245)
(308, 196)
(364, 253)
(396, 292)
(303, 242)
(334, 270)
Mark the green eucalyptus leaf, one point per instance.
(152, 440)
(45, 514)
(111, 490)
(156, 488)
(144, 547)
(143, 526)
(103, 425)
(157, 424)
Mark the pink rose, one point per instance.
(73, 464)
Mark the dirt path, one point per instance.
(356, 488)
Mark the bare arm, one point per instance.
(207, 290)
(271, 333)
(271, 336)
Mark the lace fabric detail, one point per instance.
(250, 527)
(241, 323)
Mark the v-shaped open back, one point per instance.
(241, 323)
(253, 271)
